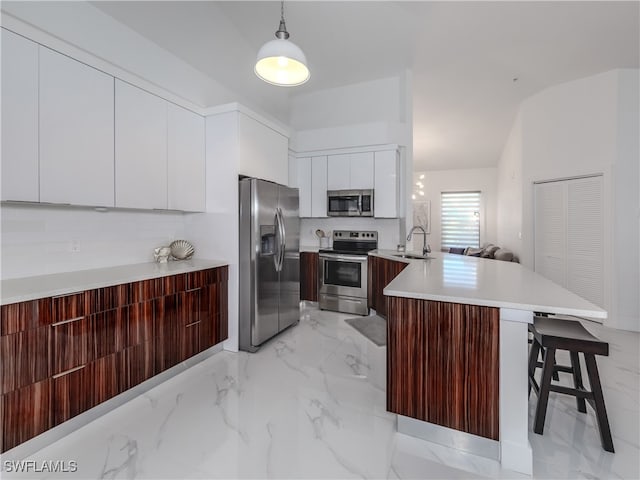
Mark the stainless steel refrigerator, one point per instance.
(269, 261)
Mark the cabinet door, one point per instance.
(304, 185)
(263, 152)
(72, 345)
(141, 148)
(338, 172)
(73, 393)
(309, 276)
(386, 185)
(25, 358)
(19, 118)
(186, 162)
(293, 171)
(76, 132)
(25, 413)
(361, 170)
(319, 186)
(167, 328)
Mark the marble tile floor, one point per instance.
(311, 404)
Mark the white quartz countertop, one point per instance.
(309, 248)
(41, 286)
(453, 278)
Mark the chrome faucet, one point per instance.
(425, 247)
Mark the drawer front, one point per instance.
(140, 362)
(108, 298)
(19, 317)
(73, 393)
(26, 412)
(141, 322)
(72, 345)
(67, 307)
(110, 331)
(24, 358)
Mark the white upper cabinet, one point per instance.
(303, 183)
(386, 188)
(76, 132)
(19, 118)
(361, 170)
(293, 171)
(186, 160)
(338, 172)
(350, 171)
(141, 148)
(319, 186)
(264, 153)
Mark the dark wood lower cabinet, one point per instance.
(140, 363)
(62, 356)
(25, 358)
(73, 393)
(309, 276)
(442, 364)
(380, 272)
(26, 412)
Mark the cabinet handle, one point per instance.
(67, 321)
(67, 372)
(192, 324)
(192, 289)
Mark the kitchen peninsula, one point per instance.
(457, 350)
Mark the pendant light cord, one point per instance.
(282, 29)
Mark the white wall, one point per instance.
(509, 202)
(38, 239)
(587, 126)
(626, 203)
(359, 103)
(437, 181)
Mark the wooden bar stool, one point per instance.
(549, 335)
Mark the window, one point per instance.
(460, 219)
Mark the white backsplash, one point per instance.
(388, 229)
(39, 239)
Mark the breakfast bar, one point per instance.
(457, 350)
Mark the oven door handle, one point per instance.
(344, 258)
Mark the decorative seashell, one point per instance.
(161, 254)
(182, 250)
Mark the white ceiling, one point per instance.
(464, 55)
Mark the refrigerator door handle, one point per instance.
(283, 236)
(278, 231)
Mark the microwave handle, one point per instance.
(360, 204)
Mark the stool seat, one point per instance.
(566, 335)
(549, 335)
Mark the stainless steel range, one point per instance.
(343, 272)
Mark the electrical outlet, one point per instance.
(74, 247)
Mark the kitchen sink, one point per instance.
(410, 256)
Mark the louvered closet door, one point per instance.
(585, 239)
(551, 231)
(569, 239)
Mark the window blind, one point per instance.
(460, 219)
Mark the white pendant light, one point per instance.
(281, 62)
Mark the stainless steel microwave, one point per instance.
(350, 203)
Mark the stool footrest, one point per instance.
(571, 391)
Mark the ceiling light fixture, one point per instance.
(281, 62)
